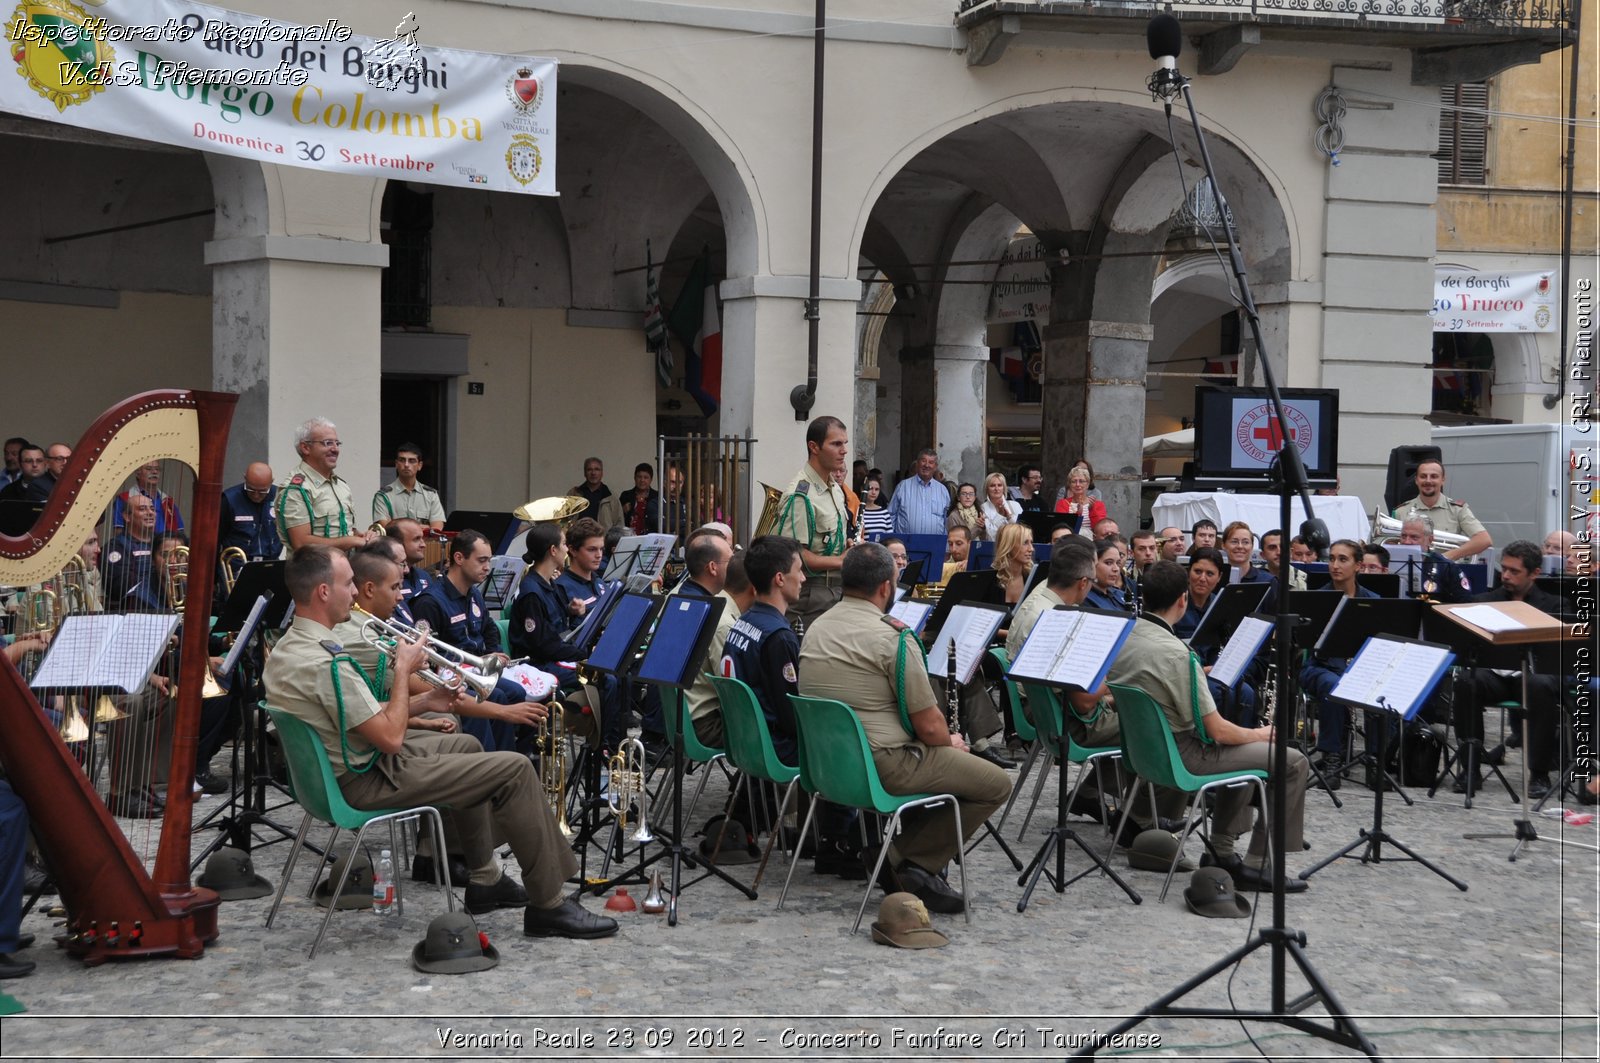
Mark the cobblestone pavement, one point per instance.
(1507, 969)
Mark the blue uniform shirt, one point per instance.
(248, 524)
(537, 620)
(462, 620)
(763, 652)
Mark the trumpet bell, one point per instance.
(106, 711)
(74, 728)
(557, 508)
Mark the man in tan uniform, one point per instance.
(314, 503)
(813, 512)
(379, 764)
(856, 654)
(1448, 514)
(406, 496)
(1155, 661)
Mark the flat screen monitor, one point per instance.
(1236, 435)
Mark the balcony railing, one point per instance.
(1471, 14)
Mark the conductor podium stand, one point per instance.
(1069, 649)
(1390, 676)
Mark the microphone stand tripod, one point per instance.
(1289, 473)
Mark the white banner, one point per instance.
(1021, 290)
(1467, 300)
(313, 96)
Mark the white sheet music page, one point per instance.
(1489, 618)
(1240, 650)
(1096, 639)
(129, 660)
(972, 629)
(77, 645)
(911, 612)
(1397, 674)
(1045, 643)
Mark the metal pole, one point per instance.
(804, 395)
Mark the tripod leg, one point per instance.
(1030, 878)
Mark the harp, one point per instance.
(102, 881)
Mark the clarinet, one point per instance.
(1130, 584)
(952, 692)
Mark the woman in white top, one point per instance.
(999, 508)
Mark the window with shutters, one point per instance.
(1463, 134)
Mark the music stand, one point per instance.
(1042, 524)
(965, 587)
(1353, 621)
(1055, 655)
(1513, 625)
(498, 527)
(913, 612)
(1228, 606)
(581, 639)
(1389, 675)
(1477, 652)
(928, 548)
(673, 659)
(912, 576)
(639, 559)
(256, 579)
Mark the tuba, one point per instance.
(1386, 529)
(771, 497)
(104, 884)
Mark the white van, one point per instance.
(1523, 480)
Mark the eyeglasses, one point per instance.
(1241, 542)
(324, 442)
(256, 490)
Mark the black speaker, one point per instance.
(1403, 462)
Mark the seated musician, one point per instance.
(1272, 554)
(1013, 561)
(1155, 661)
(380, 763)
(1090, 717)
(542, 613)
(458, 616)
(1143, 547)
(412, 539)
(1440, 580)
(856, 654)
(1519, 567)
(1240, 543)
(1206, 566)
(127, 555)
(957, 547)
(1321, 674)
(1374, 560)
(707, 557)
(1107, 590)
(761, 649)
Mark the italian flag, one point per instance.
(696, 323)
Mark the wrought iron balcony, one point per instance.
(1450, 37)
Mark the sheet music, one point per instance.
(105, 650)
(972, 628)
(1070, 647)
(900, 593)
(501, 584)
(1240, 650)
(641, 555)
(1399, 675)
(1489, 618)
(912, 613)
(243, 639)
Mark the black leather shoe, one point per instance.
(1538, 785)
(1496, 756)
(24, 941)
(11, 967)
(567, 920)
(422, 870)
(35, 880)
(1249, 878)
(931, 890)
(1173, 826)
(507, 893)
(137, 804)
(210, 784)
(1089, 806)
(1514, 738)
(888, 880)
(995, 757)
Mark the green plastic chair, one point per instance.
(837, 762)
(1152, 753)
(317, 791)
(1051, 724)
(505, 635)
(750, 750)
(694, 751)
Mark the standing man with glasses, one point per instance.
(405, 496)
(314, 504)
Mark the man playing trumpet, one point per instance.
(379, 763)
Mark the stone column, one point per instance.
(918, 399)
(960, 411)
(764, 357)
(1094, 399)
(296, 318)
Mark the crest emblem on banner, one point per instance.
(523, 160)
(525, 91)
(55, 54)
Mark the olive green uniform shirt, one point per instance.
(1158, 663)
(702, 697)
(852, 654)
(306, 497)
(421, 503)
(299, 680)
(1450, 515)
(813, 512)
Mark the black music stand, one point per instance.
(1469, 755)
(981, 586)
(1046, 659)
(1227, 607)
(672, 659)
(1383, 697)
(984, 619)
(1354, 620)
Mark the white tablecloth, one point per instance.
(1344, 515)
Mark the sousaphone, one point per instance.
(557, 509)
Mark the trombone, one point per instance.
(177, 598)
(232, 559)
(445, 671)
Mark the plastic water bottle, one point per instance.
(383, 884)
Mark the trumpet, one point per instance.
(627, 782)
(446, 672)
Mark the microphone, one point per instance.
(1164, 38)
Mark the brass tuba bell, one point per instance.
(771, 498)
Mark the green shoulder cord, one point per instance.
(1099, 707)
(906, 636)
(1195, 679)
(338, 697)
(305, 499)
(383, 496)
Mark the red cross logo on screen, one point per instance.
(1271, 435)
(1259, 435)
